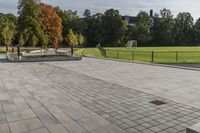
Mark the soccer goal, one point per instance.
(131, 44)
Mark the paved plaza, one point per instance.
(97, 96)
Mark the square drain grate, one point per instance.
(158, 102)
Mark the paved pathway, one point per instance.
(172, 83)
(58, 97)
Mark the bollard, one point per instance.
(18, 52)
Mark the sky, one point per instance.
(126, 7)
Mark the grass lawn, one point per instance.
(160, 54)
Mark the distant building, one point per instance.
(151, 18)
(133, 19)
(130, 19)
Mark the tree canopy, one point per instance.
(40, 24)
(196, 31)
(30, 23)
(52, 23)
(183, 28)
(72, 38)
(143, 27)
(163, 28)
(114, 28)
(7, 30)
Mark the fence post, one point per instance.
(83, 52)
(152, 58)
(117, 54)
(176, 56)
(133, 55)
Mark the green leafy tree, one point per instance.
(87, 13)
(12, 18)
(196, 32)
(81, 39)
(7, 31)
(2, 20)
(143, 33)
(93, 29)
(70, 20)
(183, 28)
(72, 40)
(163, 28)
(130, 34)
(30, 23)
(114, 28)
(87, 27)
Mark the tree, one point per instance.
(72, 40)
(130, 34)
(93, 29)
(81, 39)
(70, 20)
(143, 27)
(30, 23)
(183, 28)
(114, 28)
(87, 13)
(7, 31)
(196, 31)
(2, 20)
(163, 27)
(12, 18)
(87, 27)
(52, 23)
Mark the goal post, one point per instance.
(131, 44)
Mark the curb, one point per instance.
(147, 63)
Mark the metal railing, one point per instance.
(155, 56)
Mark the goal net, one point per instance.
(131, 44)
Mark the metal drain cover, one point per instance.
(158, 102)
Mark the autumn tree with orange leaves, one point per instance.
(52, 24)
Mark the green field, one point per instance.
(148, 54)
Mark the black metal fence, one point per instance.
(155, 56)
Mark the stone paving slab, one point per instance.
(29, 105)
(127, 108)
(41, 98)
(171, 83)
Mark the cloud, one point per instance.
(126, 7)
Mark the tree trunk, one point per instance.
(72, 50)
(6, 48)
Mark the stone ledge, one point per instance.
(42, 57)
(194, 129)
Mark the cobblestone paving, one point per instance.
(127, 108)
